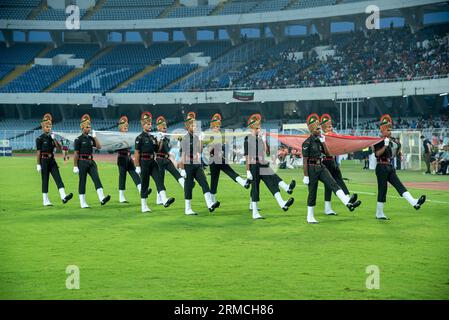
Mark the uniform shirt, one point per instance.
(388, 153)
(165, 146)
(191, 147)
(45, 143)
(254, 148)
(145, 143)
(84, 144)
(312, 147)
(220, 148)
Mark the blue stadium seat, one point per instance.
(36, 79)
(137, 54)
(182, 12)
(20, 53)
(130, 13)
(238, 7)
(211, 49)
(5, 69)
(81, 50)
(56, 14)
(98, 79)
(159, 78)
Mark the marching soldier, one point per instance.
(125, 164)
(331, 164)
(84, 163)
(163, 157)
(46, 163)
(258, 169)
(314, 170)
(218, 160)
(386, 172)
(146, 165)
(190, 165)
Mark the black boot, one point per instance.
(67, 198)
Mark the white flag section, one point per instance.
(115, 140)
(110, 140)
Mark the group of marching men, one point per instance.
(152, 159)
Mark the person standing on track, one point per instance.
(313, 148)
(84, 163)
(191, 169)
(385, 171)
(46, 163)
(145, 161)
(331, 164)
(218, 159)
(258, 169)
(125, 163)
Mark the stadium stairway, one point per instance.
(219, 7)
(77, 71)
(135, 77)
(173, 83)
(36, 11)
(91, 11)
(169, 9)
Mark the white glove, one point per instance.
(76, 170)
(306, 180)
(387, 141)
(52, 136)
(249, 176)
(202, 136)
(322, 138)
(138, 170)
(38, 168)
(183, 173)
(94, 134)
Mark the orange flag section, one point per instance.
(336, 144)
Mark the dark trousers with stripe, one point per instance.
(149, 168)
(215, 174)
(167, 164)
(126, 165)
(335, 172)
(386, 173)
(194, 172)
(88, 167)
(49, 166)
(319, 173)
(267, 175)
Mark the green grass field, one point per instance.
(123, 254)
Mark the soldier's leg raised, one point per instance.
(397, 184)
(58, 180)
(160, 185)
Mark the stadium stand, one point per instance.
(274, 5)
(238, 7)
(36, 79)
(212, 49)
(302, 4)
(20, 53)
(5, 69)
(98, 79)
(159, 78)
(137, 54)
(181, 12)
(81, 50)
(56, 14)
